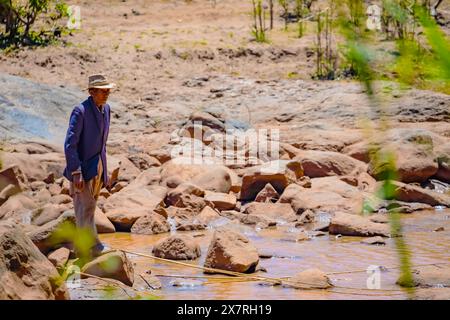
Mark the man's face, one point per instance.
(100, 96)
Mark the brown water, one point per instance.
(327, 253)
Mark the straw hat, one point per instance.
(99, 81)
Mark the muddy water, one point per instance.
(328, 253)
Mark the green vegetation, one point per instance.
(20, 18)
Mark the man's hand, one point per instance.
(78, 181)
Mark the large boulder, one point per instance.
(279, 174)
(153, 223)
(25, 273)
(354, 225)
(309, 279)
(412, 193)
(114, 265)
(277, 211)
(131, 203)
(44, 236)
(36, 167)
(326, 163)
(177, 247)
(175, 196)
(47, 213)
(231, 251)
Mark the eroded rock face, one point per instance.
(231, 251)
(25, 273)
(114, 265)
(177, 247)
(354, 225)
(151, 224)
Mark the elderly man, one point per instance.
(85, 150)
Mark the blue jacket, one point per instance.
(86, 140)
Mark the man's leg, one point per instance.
(84, 206)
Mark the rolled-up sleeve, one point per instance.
(72, 139)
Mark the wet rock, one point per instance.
(309, 279)
(374, 240)
(221, 201)
(428, 276)
(102, 223)
(150, 224)
(177, 247)
(267, 194)
(231, 251)
(412, 193)
(354, 225)
(42, 236)
(59, 257)
(186, 283)
(190, 226)
(99, 289)
(277, 211)
(149, 280)
(325, 163)
(113, 265)
(405, 207)
(25, 272)
(278, 173)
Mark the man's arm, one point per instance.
(71, 142)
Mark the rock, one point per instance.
(379, 218)
(174, 196)
(412, 193)
(125, 207)
(231, 214)
(218, 180)
(17, 206)
(191, 226)
(354, 225)
(267, 194)
(306, 217)
(42, 236)
(36, 167)
(221, 201)
(149, 280)
(59, 257)
(428, 276)
(186, 283)
(61, 199)
(151, 224)
(208, 120)
(443, 160)
(143, 161)
(231, 251)
(124, 168)
(12, 181)
(102, 223)
(99, 289)
(261, 221)
(118, 186)
(37, 185)
(278, 173)
(439, 229)
(50, 178)
(374, 240)
(275, 211)
(177, 247)
(113, 265)
(25, 273)
(326, 163)
(309, 279)
(407, 207)
(207, 215)
(47, 213)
